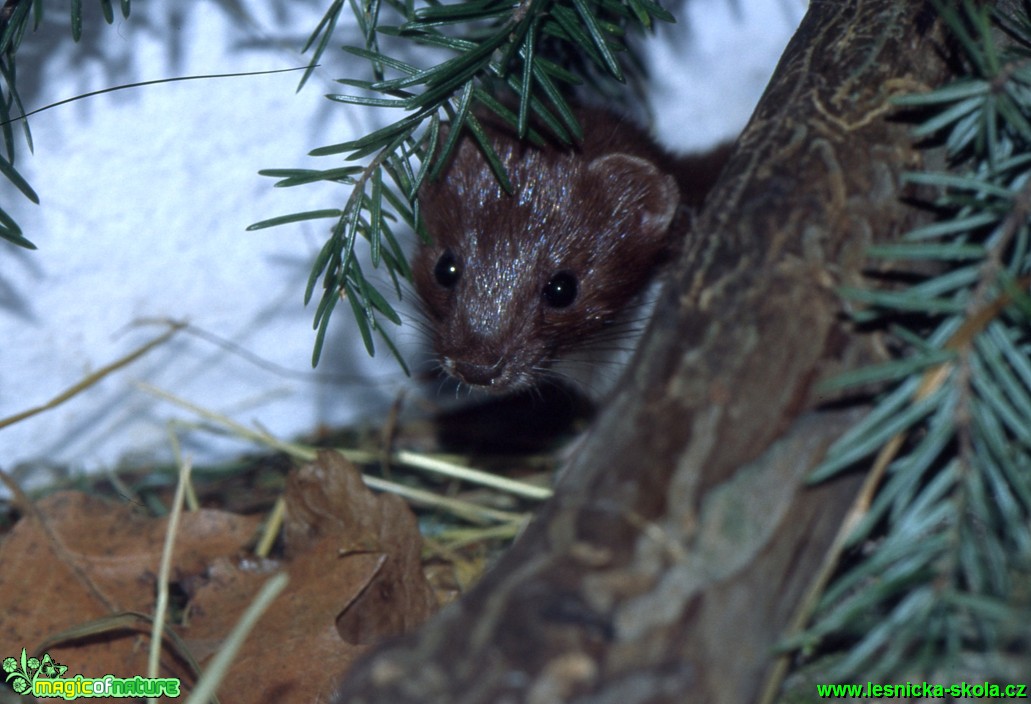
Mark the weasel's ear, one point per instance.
(638, 186)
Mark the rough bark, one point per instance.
(683, 536)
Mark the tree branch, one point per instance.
(683, 536)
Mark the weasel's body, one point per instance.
(511, 283)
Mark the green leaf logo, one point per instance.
(21, 674)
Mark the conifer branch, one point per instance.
(15, 18)
(934, 572)
(534, 50)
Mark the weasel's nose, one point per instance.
(476, 374)
(489, 377)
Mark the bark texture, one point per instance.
(683, 535)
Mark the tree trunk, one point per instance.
(683, 535)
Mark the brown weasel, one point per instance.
(513, 283)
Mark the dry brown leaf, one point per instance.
(329, 498)
(290, 645)
(104, 561)
(355, 577)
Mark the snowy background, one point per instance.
(146, 194)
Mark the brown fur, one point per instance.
(605, 212)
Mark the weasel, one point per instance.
(513, 283)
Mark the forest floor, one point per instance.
(95, 570)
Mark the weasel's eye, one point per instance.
(561, 291)
(447, 271)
